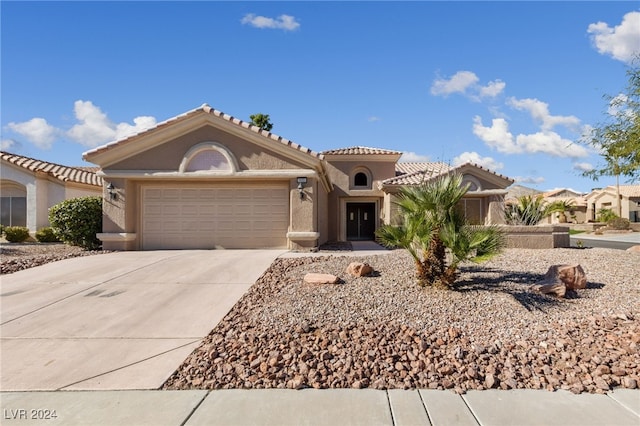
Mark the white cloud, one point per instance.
(493, 89)
(540, 112)
(474, 157)
(583, 167)
(9, 145)
(412, 157)
(37, 130)
(373, 119)
(498, 136)
(459, 83)
(529, 179)
(95, 128)
(282, 22)
(622, 41)
(466, 83)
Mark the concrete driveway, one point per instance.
(122, 320)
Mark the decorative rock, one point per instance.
(313, 278)
(359, 269)
(560, 278)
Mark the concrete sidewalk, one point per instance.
(320, 407)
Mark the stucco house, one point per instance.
(29, 187)
(606, 198)
(204, 179)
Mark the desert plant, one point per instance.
(46, 235)
(560, 207)
(619, 223)
(16, 234)
(77, 221)
(2, 230)
(431, 225)
(526, 210)
(605, 215)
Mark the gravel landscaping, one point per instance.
(385, 332)
(18, 256)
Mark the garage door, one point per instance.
(203, 217)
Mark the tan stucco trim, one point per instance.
(116, 237)
(303, 236)
(245, 174)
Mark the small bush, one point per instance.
(16, 234)
(46, 235)
(2, 230)
(77, 221)
(619, 223)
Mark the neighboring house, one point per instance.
(577, 213)
(606, 198)
(29, 187)
(205, 179)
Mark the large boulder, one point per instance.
(634, 249)
(560, 278)
(359, 269)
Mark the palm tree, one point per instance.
(560, 207)
(431, 225)
(526, 210)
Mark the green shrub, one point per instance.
(46, 235)
(77, 221)
(16, 234)
(605, 215)
(2, 230)
(619, 223)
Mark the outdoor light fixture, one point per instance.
(301, 182)
(112, 192)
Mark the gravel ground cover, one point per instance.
(18, 256)
(385, 332)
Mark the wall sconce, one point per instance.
(301, 182)
(113, 195)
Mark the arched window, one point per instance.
(360, 179)
(210, 160)
(474, 183)
(208, 157)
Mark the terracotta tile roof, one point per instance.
(84, 175)
(625, 190)
(406, 168)
(204, 108)
(416, 178)
(361, 150)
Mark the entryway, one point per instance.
(361, 221)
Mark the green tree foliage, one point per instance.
(262, 121)
(606, 215)
(617, 139)
(77, 221)
(431, 226)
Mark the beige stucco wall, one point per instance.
(169, 155)
(608, 200)
(341, 174)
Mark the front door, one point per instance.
(361, 219)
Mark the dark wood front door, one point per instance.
(361, 221)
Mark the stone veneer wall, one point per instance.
(537, 237)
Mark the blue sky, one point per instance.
(508, 85)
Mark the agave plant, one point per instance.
(431, 226)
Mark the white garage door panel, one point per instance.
(239, 217)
